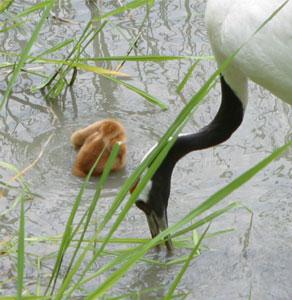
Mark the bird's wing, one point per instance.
(266, 58)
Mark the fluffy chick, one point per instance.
(96, 138)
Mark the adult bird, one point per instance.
(265, 59)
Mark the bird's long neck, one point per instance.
(226, 121)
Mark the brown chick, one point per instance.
(92, 140)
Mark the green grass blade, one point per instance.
(25, 298)
(15, 25)
(142, 58)
(103, 269)
(129, 6)
(145, 95)
(38, 276)
(187, 77)
(24, 13)
(179, 276)
(4, 4)
(235, 184)
(6, 65)
(145, 58)
(136, 294)
(98, 70)
(25, 53)
(53, 49)
(206, 220)
(30, 10)
(20, 251)
(19, 179)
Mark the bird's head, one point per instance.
(153, 201)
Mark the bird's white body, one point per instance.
(267, 57)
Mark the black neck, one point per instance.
(226, 121)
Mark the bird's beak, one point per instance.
(156, 224)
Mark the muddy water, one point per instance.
(252, 260)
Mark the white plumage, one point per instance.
(267, 58)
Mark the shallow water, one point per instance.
(256, 261)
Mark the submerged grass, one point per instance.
(74, 261)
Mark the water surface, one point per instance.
(254, 261)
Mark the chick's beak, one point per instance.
(156, 224)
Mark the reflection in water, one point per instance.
(172, 28)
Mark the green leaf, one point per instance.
(4, 4)
(53, 49)
(31, 9)
(145, 58)
(206, 220)
(145, 95)
(20, 251)
(98, 70)
(187, 77)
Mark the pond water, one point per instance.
(248, 261)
